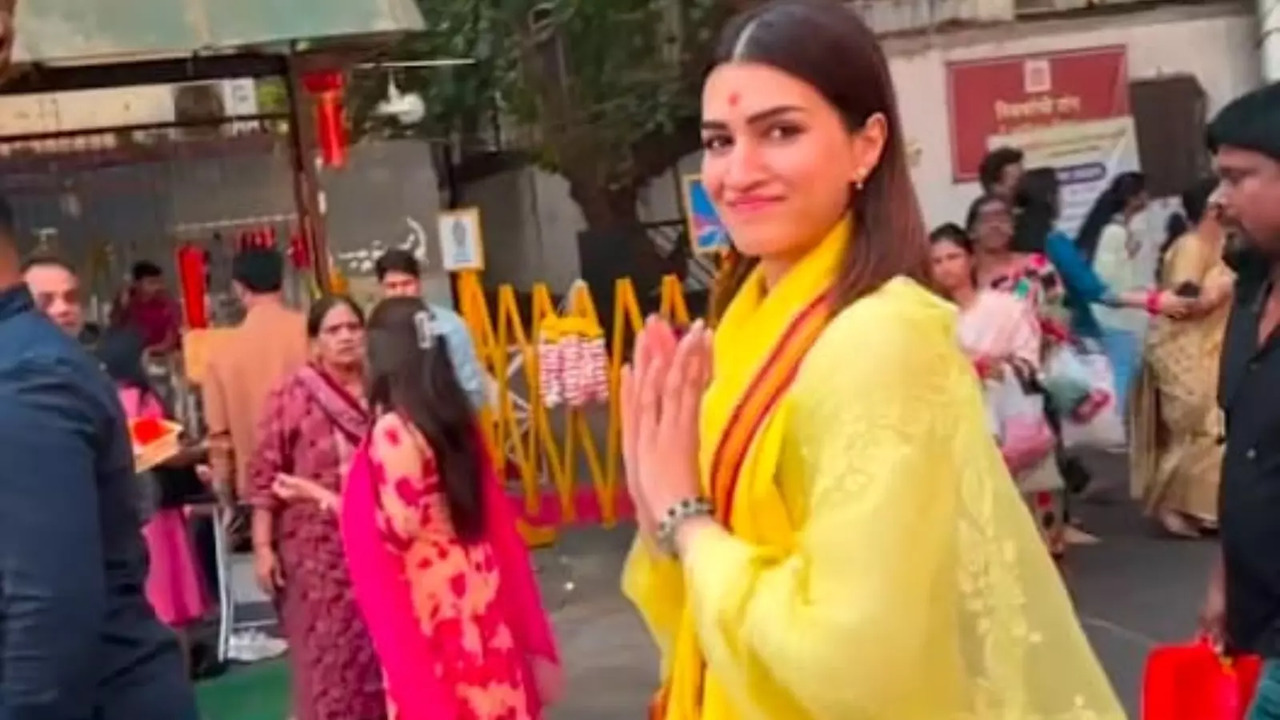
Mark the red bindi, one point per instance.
(733, 99)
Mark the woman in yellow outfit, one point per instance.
(827, 531)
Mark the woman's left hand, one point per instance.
(666, 385)
(548, 677)
(292, 488)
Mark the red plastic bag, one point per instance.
(1195, 682)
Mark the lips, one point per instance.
(752, 203)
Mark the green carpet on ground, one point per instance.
(255, 692)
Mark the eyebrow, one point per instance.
(756, 119)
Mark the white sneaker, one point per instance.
(250, 646)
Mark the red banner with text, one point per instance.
(1013, 94)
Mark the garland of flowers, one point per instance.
(573, 363)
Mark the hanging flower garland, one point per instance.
(573, 363)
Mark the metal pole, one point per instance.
(306, 182)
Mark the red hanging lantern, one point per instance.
(193, 265)
(299, 250)
(331, 124)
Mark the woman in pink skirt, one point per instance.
(175, 585)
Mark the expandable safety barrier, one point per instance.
(567, 460)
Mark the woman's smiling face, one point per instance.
(778, 161)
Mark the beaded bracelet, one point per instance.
(675, 516)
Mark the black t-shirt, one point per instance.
(1249, 393)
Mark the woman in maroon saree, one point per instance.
(310, 429)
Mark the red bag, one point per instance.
(1195, 682)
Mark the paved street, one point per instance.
(1132, 590)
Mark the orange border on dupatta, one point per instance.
(753, 408)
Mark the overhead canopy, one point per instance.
(67, 31)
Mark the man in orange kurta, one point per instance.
(268, 345)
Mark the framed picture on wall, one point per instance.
(461, 241)
(707, 235)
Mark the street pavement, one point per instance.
(1133, 591)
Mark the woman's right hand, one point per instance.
(652, 345)
(990, 368)
(266, 567)
(1173, 305)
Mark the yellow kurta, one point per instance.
(882, 565)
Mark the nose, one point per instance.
(744, 165)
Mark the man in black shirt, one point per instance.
(1243, 604)
(78, 639)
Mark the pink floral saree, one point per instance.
(384, 596)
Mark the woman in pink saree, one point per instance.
(440, 573)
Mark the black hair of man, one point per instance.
(991, 171)
(46, 260)
(259, 270)
(145, 269)
(1249, 122)
(398, 261)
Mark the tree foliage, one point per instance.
(603, 92)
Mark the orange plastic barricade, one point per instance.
(1195, 682)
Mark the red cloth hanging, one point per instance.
(1194, 682)
(257, 237)
(331, 125)
(192, 273)
(299, 250)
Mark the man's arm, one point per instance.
(173, 328)
(51, 565)
(218, 430)
(466, 361)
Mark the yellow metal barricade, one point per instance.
(544, 454)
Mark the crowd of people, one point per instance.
(378, 525)
(831, 475)
(1086, 297)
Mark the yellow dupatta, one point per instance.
(759, 345)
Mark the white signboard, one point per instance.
(1087, 155)
(461, 242)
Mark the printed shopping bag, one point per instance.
(1065, 379)
(1096, 422)
(1195, 682)
(1024, 435)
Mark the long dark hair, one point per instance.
(120, 352)
(421, 384)
(952, 233)
(1037, 200)
(1123, 189)
(826, 45)
(1195, 201)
